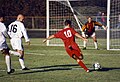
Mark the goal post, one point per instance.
(57, 12)
(113, 24)
(47, 21)
(74, 10)
(108, 24)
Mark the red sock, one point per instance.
(82, 65)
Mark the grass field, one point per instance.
(52, 64)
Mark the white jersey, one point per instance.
(17, 30)
(3, 32)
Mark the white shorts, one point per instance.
(83, 34)
(16, 44)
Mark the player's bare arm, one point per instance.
(50, 37)
(79, 36)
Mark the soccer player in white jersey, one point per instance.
(3, 45)
(16, 30)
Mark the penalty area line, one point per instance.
(40, 54)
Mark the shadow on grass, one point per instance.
(106, 69)
(62, 67)
(51, 68)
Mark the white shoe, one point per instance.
(88, 71)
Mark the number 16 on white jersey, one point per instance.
(17, 30)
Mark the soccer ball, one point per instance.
(97, 66)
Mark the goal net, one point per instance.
(113, 34)
(74, 10)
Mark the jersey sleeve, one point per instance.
(84, 27)
(97, 23)
(4, 31)
(73, 31)
(57, 35)
(24, 32)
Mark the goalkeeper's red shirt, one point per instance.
(68, 37)
(91, 26)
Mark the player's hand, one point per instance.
(28, 42)
(105, 27)
(85, 39)
(44, 40)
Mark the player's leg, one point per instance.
(7, 60)
(84, 42)
(17, 45)
(15, 53)
(95, 40)
(80, 62)
(84, 45)
(21, 60)
(76, 54)
(14, 43)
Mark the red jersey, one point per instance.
(90, 27)
(68, 37)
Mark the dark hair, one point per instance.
(67, 22)
(89, 17)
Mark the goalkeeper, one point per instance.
(89, 31)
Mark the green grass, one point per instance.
(52, 64)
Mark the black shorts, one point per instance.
(5, 51)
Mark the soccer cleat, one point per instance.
(84, 48)
(97, 49)
(25, 68)
(11, 71)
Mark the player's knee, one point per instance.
(81, 57)
(21, 57)
(95, 40)
(78, 60)
(74, 57)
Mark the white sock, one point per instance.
(96, 45)
(85, 43)
(15, 53)
(22, 63)
(8, 62)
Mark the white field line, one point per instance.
(40, 54)
(31, 53)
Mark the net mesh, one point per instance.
(59, 10)
(115, 24)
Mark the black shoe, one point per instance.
(25, 68)
(84, 48)
(97, 49)
(11, 71)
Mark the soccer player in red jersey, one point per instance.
(68, 36)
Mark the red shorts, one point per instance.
(73, 50)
